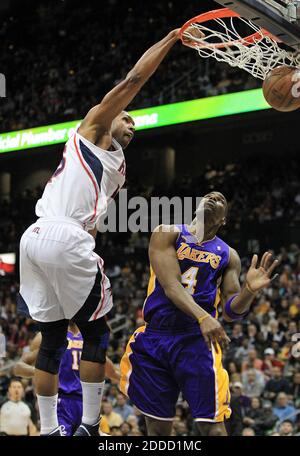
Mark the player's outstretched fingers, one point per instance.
(254, 261)
(272, 267)
(263, 260)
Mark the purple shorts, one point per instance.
(159, 364)
(69, 412)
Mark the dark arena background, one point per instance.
(59, 58)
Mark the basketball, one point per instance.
(280, 88)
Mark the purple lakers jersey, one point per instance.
(69, 381)
(202, 266)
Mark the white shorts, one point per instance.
(60, 274)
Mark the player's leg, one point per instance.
(54, 343)
(204, 384)
(158, 428)
(212, 429)
(95, 336)
(147, 380)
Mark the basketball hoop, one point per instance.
(226, 40)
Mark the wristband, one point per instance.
(231, 314)
(201, 319)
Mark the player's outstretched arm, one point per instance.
(25, 367)
(236, 301)
(163, 259)
(111, 371)
(100, 117)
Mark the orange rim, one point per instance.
(221, 14)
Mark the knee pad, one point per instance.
(94, 348)
(53, 345)
(95, 336)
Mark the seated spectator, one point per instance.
(112, 394)
(283, 409)
(286, 428)
(266, 421)
(109, 417)
(234, 375)
(254, 413)
(275, 334)
(295, 389)
(248, 432)
(237, 335)
(239, 404)
(253, 382)
(276, 384)
(241, 353)
(116, 431)
(252, 361)
(122, 407)
(270, 361)
(126, 428)
(252, 335)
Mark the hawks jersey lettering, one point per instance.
(201, 268)
(84, 183)
(69, 380)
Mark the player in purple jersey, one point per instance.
(179, 348)
(69, 407)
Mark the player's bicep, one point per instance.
(114, 102)
(163, 258)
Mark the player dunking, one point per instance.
(179, 349)
(69, 408)
(61, 276)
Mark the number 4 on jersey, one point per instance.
(189, 279)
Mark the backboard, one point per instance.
(280, 17)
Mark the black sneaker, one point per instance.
(86, 430)
(60, 431)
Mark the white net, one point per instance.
(226, 44)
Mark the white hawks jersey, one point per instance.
(84, 182)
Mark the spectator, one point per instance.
(283, 410)
(276, 384)
(109, 418)
(295, 390)
(239, 403)
(286, 428)
(122, 407)
(15, 414)
(252, 361)
(270, 361)
(125, 428)
(254, 413)
(253, 382)
(248, 432)
(266, 421)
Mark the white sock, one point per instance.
(91, 401)
(48, 413)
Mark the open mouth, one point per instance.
(129, 135)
